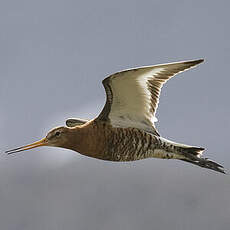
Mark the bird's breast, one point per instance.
(117, 144)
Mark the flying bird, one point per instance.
(125, 129)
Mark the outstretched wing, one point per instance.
(133, 95)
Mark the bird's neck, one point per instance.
(87, 139)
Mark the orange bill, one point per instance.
(42, 142)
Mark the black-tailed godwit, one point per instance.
(125, 130)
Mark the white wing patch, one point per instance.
(132, 100)
(142, 81)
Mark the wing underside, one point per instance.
(133, 95)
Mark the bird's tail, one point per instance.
(193, 156)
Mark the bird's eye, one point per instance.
(57, 134)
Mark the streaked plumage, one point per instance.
(125, 130)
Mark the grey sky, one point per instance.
(53, 56)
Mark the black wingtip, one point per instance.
(195, 62)
(199, 61)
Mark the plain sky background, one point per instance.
(53, 57)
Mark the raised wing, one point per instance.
(72, 122)
(133, 95)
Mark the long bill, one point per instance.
(42, 142)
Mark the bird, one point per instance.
(125, 129)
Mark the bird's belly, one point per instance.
(131, 156)
(130, 145)
(127, 144)
(137, 145)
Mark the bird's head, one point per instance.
(57, 137)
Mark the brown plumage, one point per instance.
(125, 130)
